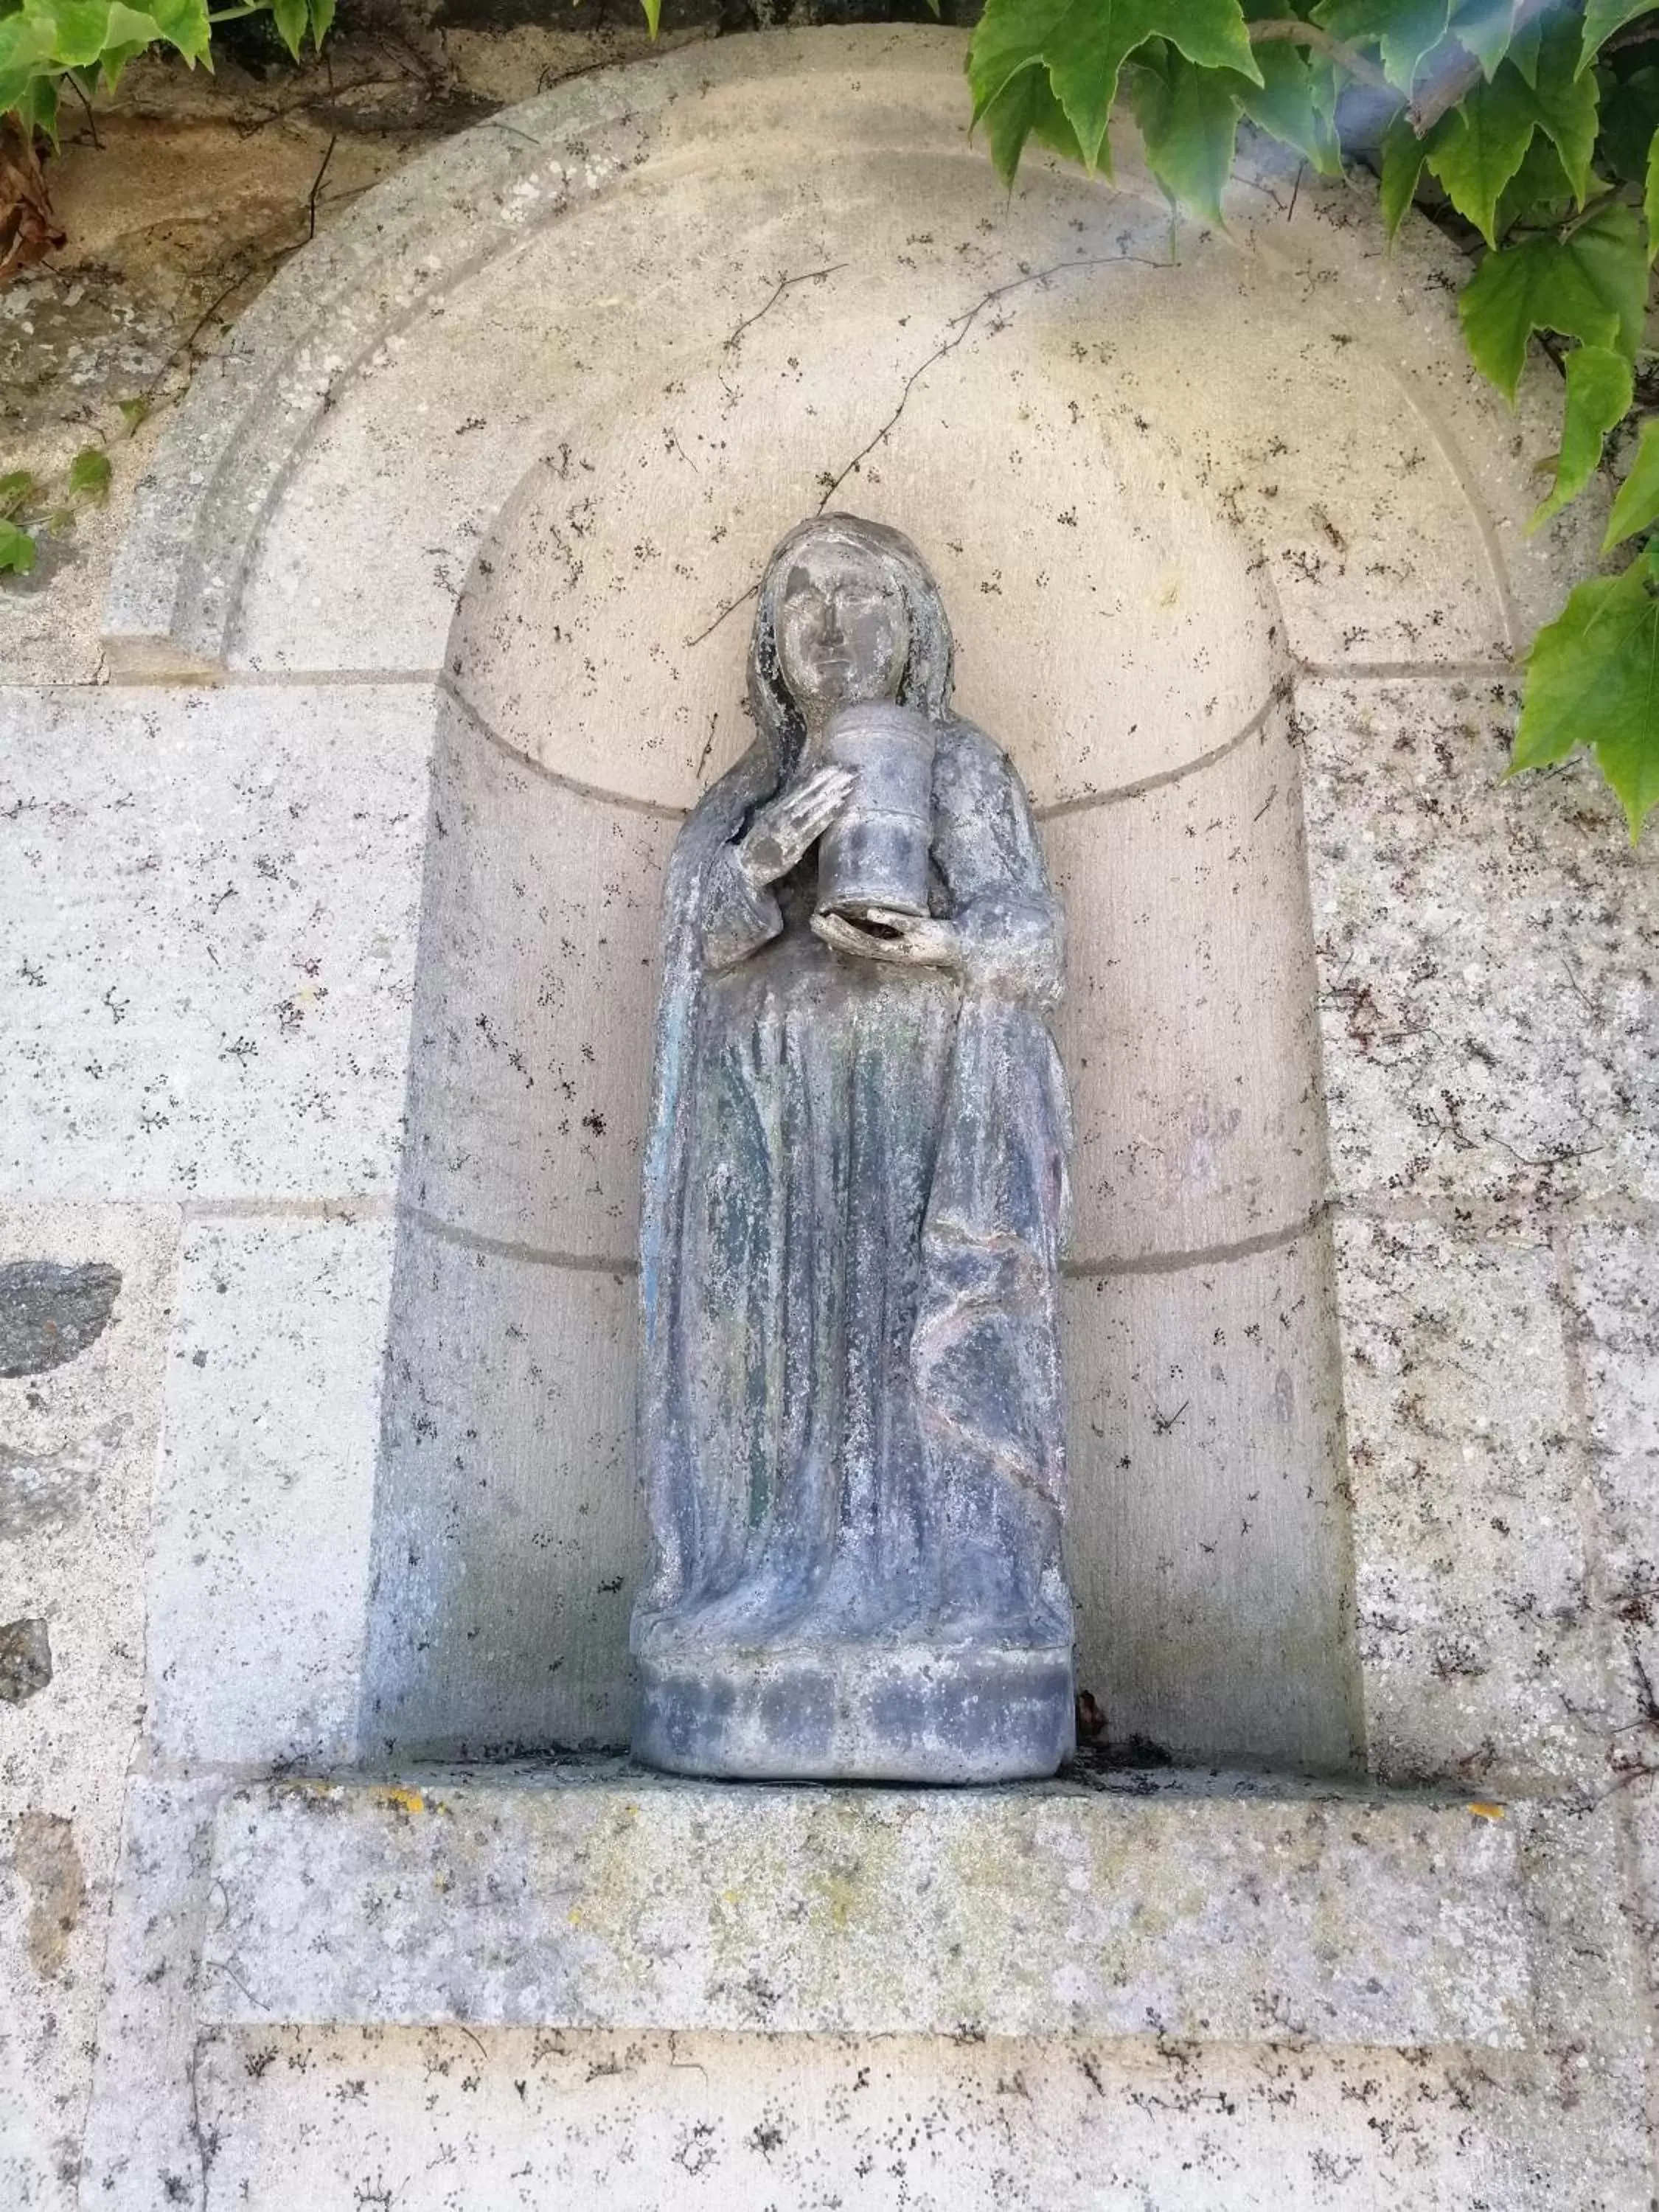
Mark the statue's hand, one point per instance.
(782, 832)
(907, 940)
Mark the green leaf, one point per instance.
(1566, 105)
(1485, 27)
(17, 489)
(1404, 31)
(322, 18)
(292, 20)
(1541, 193)
(1290, 103)
(90, 475)
(1593, 679)
(1478, 147)
(1637, 506)
(652, 14)
(1651, 199)
(17, 549)
(37, 109)
(1630, 116)
(1591, 285)
(1403, 165)
(136, 411)
(1602, 19)
(185, 25)
(1599, 389)
(1027, 108)
(1189, 121)
(1523, 49)
(1082, 45)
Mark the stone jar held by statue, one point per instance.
(874, 855)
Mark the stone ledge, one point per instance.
(595, 1895)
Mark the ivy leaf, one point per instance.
(1403, 154)
(1540, 194)
(322, 19)
(136, 411)
(1591, 285)
(1291, 103)
(1651, 199)
(90, 475)
(1599, 389)
(185, 26)
(38, 108)
(1630, 116)
(1593, 679)
(1082, 45)
(1637, 505)
(1485, 27)
(1027, 108)
(17, 489)
(1478, 147)
(1404, 31)
(17, 549)
(292, 20)
(1602, 19)
(1566, 105)
(1188, 122)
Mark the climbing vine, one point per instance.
(1532, 124)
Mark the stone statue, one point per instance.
(855, 1199)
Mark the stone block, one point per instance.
(211, 909)
(1613, 1285)
(1207, 1543)
(546, 1898)
(259, 1583)
(78, 1432)
(532, 1069)
(145, 2145)
(1488, 956)
(1189, 1030)
(1478, 1635)
(509, 1534)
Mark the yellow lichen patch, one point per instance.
(1487, 1811)
(401, 1795)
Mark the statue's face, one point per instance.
(842, 633)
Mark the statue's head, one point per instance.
(847, 612)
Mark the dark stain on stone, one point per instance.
(49, 1867)
(49, 1313)
(41, 1491)
(24, 1660)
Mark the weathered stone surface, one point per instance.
(1229, 1910)
(77, 1458)
(1612, 1284)
(1489, 956)
(259, 1582)
(421, 381)
(639, 2121)
(1188, 1027)
(50, 1311)
(24, 1660)
(210, 910)
(508, 1531)
(1478, 1633)
(145, 2145)
(1208, 1541)
(532, 1064)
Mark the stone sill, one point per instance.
(593, 1894)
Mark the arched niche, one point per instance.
(525, 424)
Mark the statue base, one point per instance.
(871, 1712)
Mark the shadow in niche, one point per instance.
(1208, 1544)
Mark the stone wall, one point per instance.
(333, 915)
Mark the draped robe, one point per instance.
(855, 1202)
